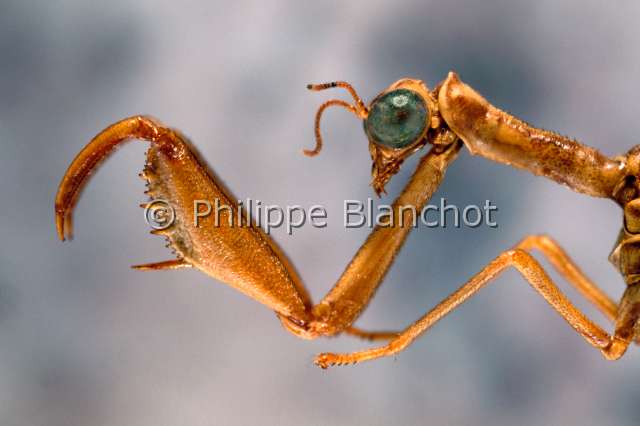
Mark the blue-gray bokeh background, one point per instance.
(87, 341)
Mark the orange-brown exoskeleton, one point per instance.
(402, 120)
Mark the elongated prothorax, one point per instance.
(498, 136)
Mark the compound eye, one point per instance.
(396, 119)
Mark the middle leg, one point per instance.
(561, 262)
(571, 272)
(612, 347)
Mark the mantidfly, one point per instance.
(399, 122)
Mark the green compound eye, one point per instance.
(396, 119)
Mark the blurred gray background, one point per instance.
(88, 341)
